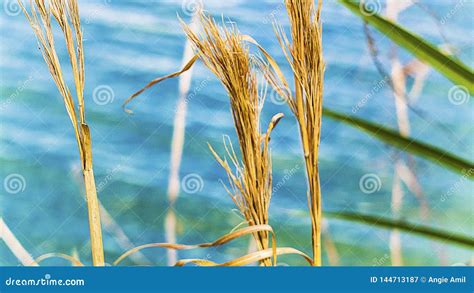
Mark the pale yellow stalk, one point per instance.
(66, 14)
(15, 245)
(305, 55)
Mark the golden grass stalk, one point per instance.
(223, 51)
(66, 14)
(305, 55)
(15, 245)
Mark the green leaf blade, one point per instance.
(451, 68)
(393, 138)
(402, 225)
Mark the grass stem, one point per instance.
(66, 13)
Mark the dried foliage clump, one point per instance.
(66, 14)
(305, 55)
(224, 52)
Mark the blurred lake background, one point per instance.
(128, 43)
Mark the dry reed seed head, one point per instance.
(65, 13)
(305, 56)
(303, 53)
(225, 53)
(306, 59)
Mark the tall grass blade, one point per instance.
(304, 54)
(392, 137)
(425, 231)
(451, 68)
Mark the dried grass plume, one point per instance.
(66, 14)
(224, 52)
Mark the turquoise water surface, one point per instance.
(128, 43)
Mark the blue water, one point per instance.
(128, 43)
